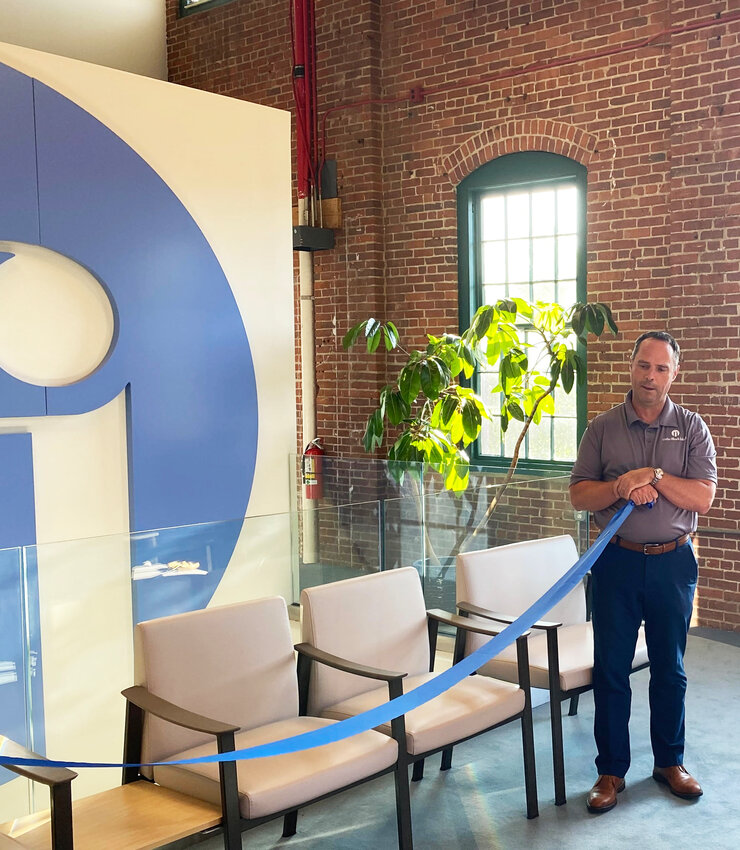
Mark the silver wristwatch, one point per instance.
(657, 475)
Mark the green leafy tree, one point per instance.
(437, 417)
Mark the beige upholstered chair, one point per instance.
(379, 621)
(236, 663)
(500, 584)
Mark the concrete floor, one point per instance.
(480, 802)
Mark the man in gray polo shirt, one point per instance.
(661, 456)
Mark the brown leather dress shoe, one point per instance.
(679, 780)
(603, 796)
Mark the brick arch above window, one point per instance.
(515, 136)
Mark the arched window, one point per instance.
(522, 233)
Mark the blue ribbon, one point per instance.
(401, 705)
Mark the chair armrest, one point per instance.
(487, 614)
(146, 701)
(344, 664)
(464, 623)
(51, 776)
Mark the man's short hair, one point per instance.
(663, 336)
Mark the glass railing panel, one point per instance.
(14, 677)
(337, 542)
(528, 508)
(69, 608)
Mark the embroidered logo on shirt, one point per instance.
(675, 436)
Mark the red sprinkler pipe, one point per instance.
(304, 91)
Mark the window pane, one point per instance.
(567, 292)
(545, 292)
(567, 246)
(492, 294)
(565, 403)
(539, 439)
(517, 214)
(543, 213)
(490, 438)
(492, 217)
(519, 290)
(494, 262)
(489, 380)
(567, 210)
(518, 270)
(565, 439)
(543, 258)
(512, 435)
(535, 351)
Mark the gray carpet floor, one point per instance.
(480, 802)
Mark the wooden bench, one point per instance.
(136, 816)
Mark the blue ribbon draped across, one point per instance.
(409, 701)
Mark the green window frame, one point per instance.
(516, 237)
(188, 7)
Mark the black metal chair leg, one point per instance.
(418, 772)
(446, 758)
(573, 706)
(403, 807)
(290, 823)
(558, 759)
(556, 716)
(530, 774)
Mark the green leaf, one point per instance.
(373, 436)
(515, 411)
(471, 421)
(409, 382)
(547, 405)
(482, 321)
(457, 472)
(430, 383)
(578, 365)
(493, 350)
(507, 309)
(567, 376)
(391, 335)
(578, 322)
(607, 313)
(373, 340)
(396, 408)
(349, 339)
(371, 325)
(594, 319)
(523, 308)
(448, 410)
(455, 428)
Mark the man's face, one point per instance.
(652, 372)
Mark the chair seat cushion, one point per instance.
(575, 652)
(467, 708)
(273, 784)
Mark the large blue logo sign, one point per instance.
(179, 350)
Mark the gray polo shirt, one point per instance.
(617, 441)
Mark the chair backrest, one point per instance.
(233, 663)
(510, 578)
(378, 620)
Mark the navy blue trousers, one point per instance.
(629, 587)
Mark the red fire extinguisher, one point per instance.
(311, 469)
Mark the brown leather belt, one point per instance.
(650, 548)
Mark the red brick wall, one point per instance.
(656, 125)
